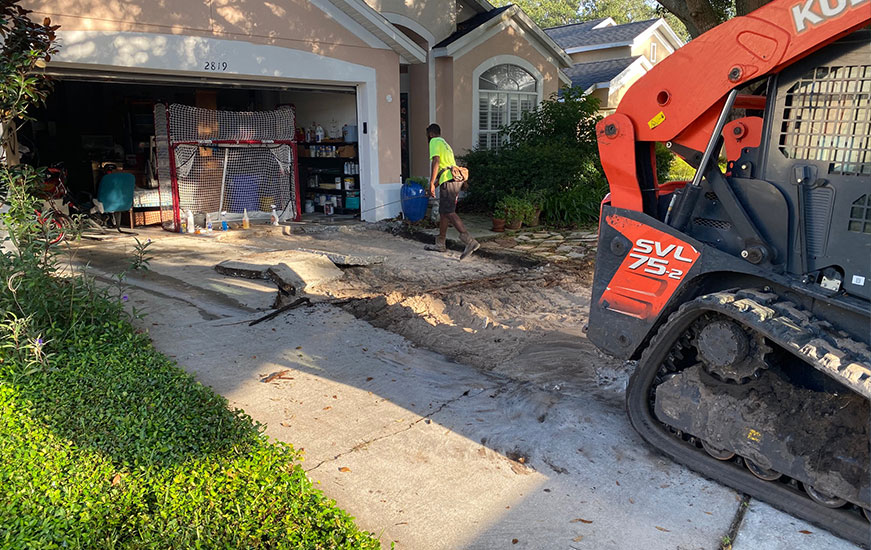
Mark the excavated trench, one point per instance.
(526, 323)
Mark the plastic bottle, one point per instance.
(208, 222)
(246, 223)
(224, 226)
(274, 216)
(319, 133)
(190, 222)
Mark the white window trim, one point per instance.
(486, 66)
(653, 52)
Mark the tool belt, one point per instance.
(460, 174)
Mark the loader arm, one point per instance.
(680, 99)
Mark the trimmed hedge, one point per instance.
(110, 445)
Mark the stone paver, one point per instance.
(553, 245)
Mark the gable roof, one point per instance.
(376, 24)
(585, 75)
(581, 35)
(475, 30)
(471, 24)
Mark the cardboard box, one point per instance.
(146, 217)
(348, 151)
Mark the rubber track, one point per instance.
(794, 329)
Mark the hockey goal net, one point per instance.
(214, 162)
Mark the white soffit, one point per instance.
(375, 23)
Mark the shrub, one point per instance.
(576, 206)
(549, 151)
(512, 208)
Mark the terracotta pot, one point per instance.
(514, 225)
(498, 225)
(536, 220)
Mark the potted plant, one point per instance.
(499, 216)
(515, 209)
(536, 199)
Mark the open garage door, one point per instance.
(98, 118)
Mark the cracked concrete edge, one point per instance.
(506, 256)
(157, 289)
(423, 418)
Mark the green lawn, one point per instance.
(110, 445)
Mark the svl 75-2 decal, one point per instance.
(650, 273)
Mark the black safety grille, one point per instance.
(711, 196)
(827, 118)
(716, 224)
(860, 215)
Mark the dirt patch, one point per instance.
(523, 322)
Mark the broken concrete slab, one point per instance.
(347, 259)
(293, 271)
(286, 279)
(235, 268)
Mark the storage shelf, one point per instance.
(307, 143)
(331, 191)
(328, 158)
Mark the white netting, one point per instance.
(234, 179)
(237, 162)
(164, 175)
(192, 123)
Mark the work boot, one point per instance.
(471, 245)
(439, 245)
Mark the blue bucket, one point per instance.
(414, 201)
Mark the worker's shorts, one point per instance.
(449, 191)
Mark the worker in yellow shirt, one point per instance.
(442, 158)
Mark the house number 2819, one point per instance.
(215, 66)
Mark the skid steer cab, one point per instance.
(744, 294)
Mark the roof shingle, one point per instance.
(584, 75)
(471, 24)
(583, 34)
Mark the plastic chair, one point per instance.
(116, 195)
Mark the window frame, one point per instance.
(476, 95)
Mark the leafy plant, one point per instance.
(549, 151)
(576, 206)
(512, 208)
(419, 180)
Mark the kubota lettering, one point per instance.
(804, 14)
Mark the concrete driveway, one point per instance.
(427, 452)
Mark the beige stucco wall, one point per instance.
(292, 24)
(436, 16)
(602, 95)
(418, 119)
(445, 73)
(644, 48)
(510, 41)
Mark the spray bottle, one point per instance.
(208, 222)
(274, 216)
(246, 223)
(190, 221)
(224, 226)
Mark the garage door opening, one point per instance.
(91, 125)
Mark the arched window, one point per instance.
(504, 93)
